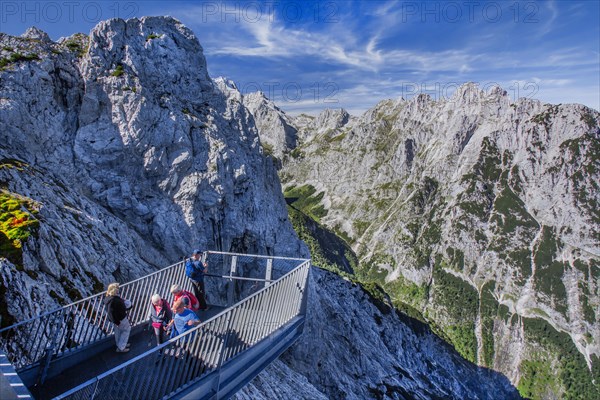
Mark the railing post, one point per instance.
(44, 367)
(304, 301)
(56, 328)
(232, 271)
(222, 355)
(94, 392)
(269, 272)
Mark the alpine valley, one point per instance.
(476, 214)
(456, 243)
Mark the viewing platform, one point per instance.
(257, 311)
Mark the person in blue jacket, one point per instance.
(195, 270)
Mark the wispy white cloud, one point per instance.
(550, 17)
(386, 8)
(273, 40)
(377, 49)
(343, 44)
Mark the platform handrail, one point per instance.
(53, 311)
(80, 323)
(258, 256)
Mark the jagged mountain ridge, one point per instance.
(474, 198)
(127, 155)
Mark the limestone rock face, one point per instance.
(134, 157)
(478, 211)
(275, 126)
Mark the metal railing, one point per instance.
(79, 324)
(181, 362)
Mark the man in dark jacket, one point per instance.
(195, 270)
(116, 311)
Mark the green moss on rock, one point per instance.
(511, 212)
(15, 58)
(17, 222)
(404, 291)
(537, 379)
(118, 71)
(478, 197)
(546, 248)
(589, 120)
(152, 36)
(583, 156)
(457, 259)
(489, 164)
(591, 275)
(549, 277)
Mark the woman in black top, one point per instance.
(116, 311)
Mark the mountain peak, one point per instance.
(226, 83)
(332, 118)
(487, 206)
(471, 92)
(277, 130)
(158, 54)
(258, 97)
(37, 34)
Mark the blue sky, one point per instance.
(309, 55)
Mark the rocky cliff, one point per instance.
(122, 155)
(479, 213)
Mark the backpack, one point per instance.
(195, 304)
